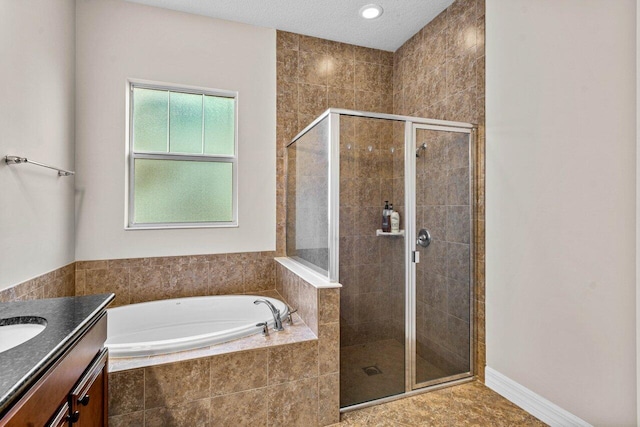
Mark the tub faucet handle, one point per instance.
(290, 315)
(277, 320)
(265, 330)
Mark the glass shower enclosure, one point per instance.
(406, 313)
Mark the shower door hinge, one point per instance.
(415, 256)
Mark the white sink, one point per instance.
(16, 331)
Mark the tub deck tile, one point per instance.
(298, 332)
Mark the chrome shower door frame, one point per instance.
(412, 255)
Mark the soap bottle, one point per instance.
(386, 218)
(395, 221)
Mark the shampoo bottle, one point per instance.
(395, 222)
(386, 220)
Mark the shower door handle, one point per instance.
(424, 238)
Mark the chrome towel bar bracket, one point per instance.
(16, 160)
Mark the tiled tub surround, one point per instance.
(296, 380)
(320, 308)
(149, 279)
(56, 283)
(290, 377)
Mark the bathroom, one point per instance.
(68, 234)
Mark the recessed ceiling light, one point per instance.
(370, 11)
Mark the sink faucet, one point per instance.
(277, 321)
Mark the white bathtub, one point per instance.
(167, 326)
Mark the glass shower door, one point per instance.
(442, 237)
(372, 264)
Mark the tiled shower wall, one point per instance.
(439, 73)
(315, 74)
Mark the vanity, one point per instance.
(59, 376)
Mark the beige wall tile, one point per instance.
(329, 399)
(293, 362)
(134, 419)
(189, 279)
(285, 40)
(329, 348)
(308, 305)
(288, 62)
(92, 265)
(126, 262)
(259, 275)
(234, 372)
(329, 305)
(247, 408)
(312, 68)
(114, 280)
(187, 414)
(149, 283)
(294, 403)
(225, 277)
(366, 54)
(312, 100)
(340, 73)
(312, 44)
(126, 392)
(173, 384)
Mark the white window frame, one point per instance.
(132, 156)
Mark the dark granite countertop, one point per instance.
(67, 318)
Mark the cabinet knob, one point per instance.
(84, 400)
(74, 417)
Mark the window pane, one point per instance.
(182, 191)
(185, 128)
(150, 120)
(219, 125)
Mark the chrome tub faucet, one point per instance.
(277, 321)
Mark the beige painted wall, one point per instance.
(560, 202)
(37, 122)
(119, 40)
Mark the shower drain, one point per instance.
(371, 370)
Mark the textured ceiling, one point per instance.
(337, 20)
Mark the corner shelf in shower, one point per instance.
(389, 233)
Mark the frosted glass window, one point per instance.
(185, 123)
(182, 157)
(219, 125)
(182, 191)
(151, 120)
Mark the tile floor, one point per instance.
(470, 404)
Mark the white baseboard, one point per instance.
(531, 402)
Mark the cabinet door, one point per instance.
(61, 418)
(89, 398)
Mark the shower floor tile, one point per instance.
(388, 356)
(467, 404)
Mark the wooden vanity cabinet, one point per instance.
(73, 391)
(87, 406)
